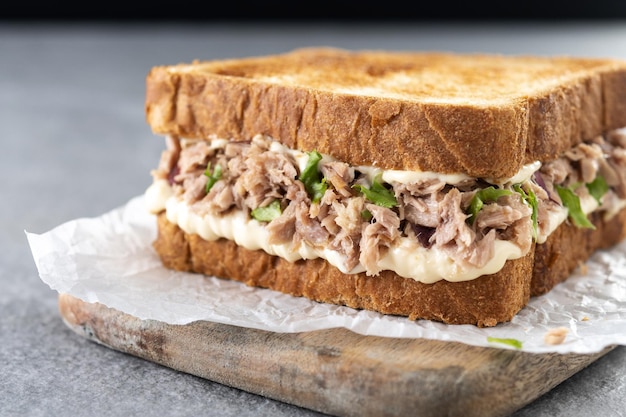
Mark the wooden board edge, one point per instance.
(336, 372)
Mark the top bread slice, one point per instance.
(481, 115)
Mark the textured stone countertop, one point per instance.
(75, 144)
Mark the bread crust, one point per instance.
(485, 301)
(568, 247)
(488, 131)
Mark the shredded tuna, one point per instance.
(340, 175)
(480, 251)
(452, 226)
(219, 200)
(377, 236)
(194, 188)
(343, 219)
(194, 158)
(307, 229)
(502, 214)
(286, 228)
(283, 228)
(168, 164)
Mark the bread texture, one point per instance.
(484, 302)
(482, 115)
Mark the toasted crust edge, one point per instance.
(569, 247)
(362, 130)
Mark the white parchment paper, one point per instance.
(110, 260)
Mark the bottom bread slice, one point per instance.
(484, 302)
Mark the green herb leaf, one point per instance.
(572, 203)
(378, 193)
(314, 183)
(486, 195)
(366, 215)
(213, 177)
(597, 188)
(531, 199)
(511, 342)
(267, 213)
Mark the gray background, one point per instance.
(75, 144)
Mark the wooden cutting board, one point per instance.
(336, 371)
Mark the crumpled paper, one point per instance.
(110, 260)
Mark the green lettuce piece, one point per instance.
(483, 196)
(531, 199)
(511, 342)
(313, 181)
(378, 193)
(572, 203)
(597, 188)
(212, 176)
(267, 213)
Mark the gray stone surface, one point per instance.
(75, 144)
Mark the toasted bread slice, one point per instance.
(482, 115)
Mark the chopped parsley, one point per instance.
(597, 188)
(572, 203)
(314, 182)
(212, 176)
(267, 213)
(366, 215)
(486, 195)
(378, 193)
(529, 198)
(511, 342)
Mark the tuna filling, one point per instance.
(341, 207)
